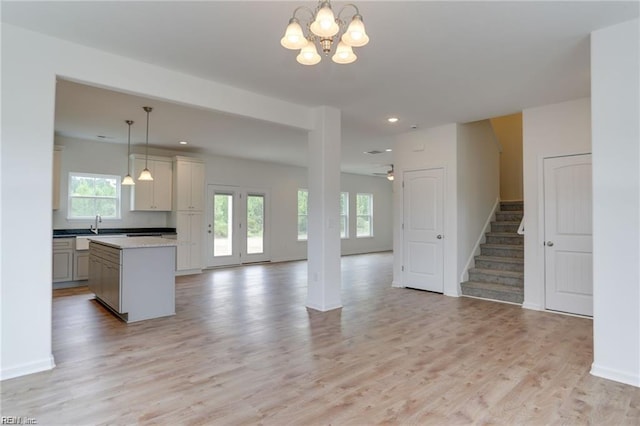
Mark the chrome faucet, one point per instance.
(94, 228)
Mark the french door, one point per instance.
(237, 227)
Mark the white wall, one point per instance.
(615, 91)
(548, 131)
(478, 158)
(508, 130)
(428, 149)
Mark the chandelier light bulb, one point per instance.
(308, 54)
(344, 54)
(356, 35)
(325, 24)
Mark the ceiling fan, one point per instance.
(388, 174)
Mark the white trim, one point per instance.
(29, 368)
(615, 375)
(532, 306)
(396, 284)
(491, 300)
(464, 276)
(323, 308)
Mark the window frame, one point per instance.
(344, 216)
(117, 197)
(368, 216)
(305, 215)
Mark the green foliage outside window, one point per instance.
(303, 209)
(91, 195)
(364, 218)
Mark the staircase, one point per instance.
(499, 269)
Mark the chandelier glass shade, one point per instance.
(324, 29)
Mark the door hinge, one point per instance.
(403, 226)
(402, 268)
(403, 184)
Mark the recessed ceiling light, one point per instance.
(388, 150)
(392, 119)
(183, 142)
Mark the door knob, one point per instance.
(550, 243)
(209, 231)
(439, 237)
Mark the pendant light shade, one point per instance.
(128, 180)
(146, 174)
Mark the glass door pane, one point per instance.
(255, 224)
(223, 225)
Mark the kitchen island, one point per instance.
(134, 277)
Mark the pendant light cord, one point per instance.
(146, 149)
(129, 122)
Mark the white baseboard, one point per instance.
(396, 284)
(615, 375)
(451, 294)
(29, 368)
(532, 306)
(188, 272)
(323, 308)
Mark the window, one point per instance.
(91, 195)
(344, 215)
(303, 203)
(364, 219)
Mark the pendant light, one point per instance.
(128, 180)
(146, 174)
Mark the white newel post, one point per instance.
(323, 249)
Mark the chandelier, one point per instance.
(325, 28)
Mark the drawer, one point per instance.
(64, 243)
(110, 254)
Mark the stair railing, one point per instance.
(521, 227)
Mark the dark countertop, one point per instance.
(70, 233)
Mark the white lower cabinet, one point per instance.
(81, 265)
(62, 261)
(189, 252)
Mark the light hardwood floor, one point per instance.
(243, 349)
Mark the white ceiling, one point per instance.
(429, 63)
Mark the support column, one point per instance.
(615, 59)
(323, 245)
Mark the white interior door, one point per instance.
(237, 226)
(423, 224)
(568, 234)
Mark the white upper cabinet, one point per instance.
(152, 195)
(189, 184)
